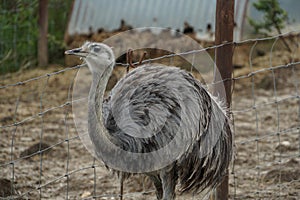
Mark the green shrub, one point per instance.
(274, 17)
(19, 32)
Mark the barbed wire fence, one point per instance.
(42, 156)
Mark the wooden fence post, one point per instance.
(223, 58)
(43, 32)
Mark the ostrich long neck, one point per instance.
(95, 116)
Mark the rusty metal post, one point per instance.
(43, 33)
(223, 58)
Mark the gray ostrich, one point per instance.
(155, 108)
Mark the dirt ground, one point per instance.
(36, 115)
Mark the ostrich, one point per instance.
(167, 103)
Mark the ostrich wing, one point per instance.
(153, 104)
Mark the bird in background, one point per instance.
(154, 108)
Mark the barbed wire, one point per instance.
(159, 58)
(41, 77)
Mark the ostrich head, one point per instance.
(98, 56)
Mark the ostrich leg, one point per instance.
(169, 180)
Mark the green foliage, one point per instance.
(19, 32)
(58, 21)
(274, 17)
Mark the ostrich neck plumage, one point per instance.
(96, 96)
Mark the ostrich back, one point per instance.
(155, 105)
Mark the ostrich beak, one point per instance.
(77, 52)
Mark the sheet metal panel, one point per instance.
(91, 15)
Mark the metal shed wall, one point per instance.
(90, 15)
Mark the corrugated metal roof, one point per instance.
(91, 15)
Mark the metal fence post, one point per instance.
(223, 58)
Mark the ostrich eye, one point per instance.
(97, 49)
